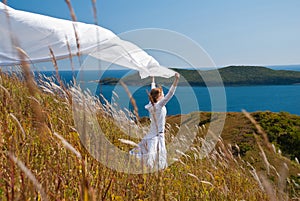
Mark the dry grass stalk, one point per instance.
(255, 176)
(206, 182)
(227, 153)
(183, 154)
(5, 90)
(282, 181)
(6, 98)
(30, 176)
(19, 124)
(71, 10)
(268, 187)
(70, 56)
(194, 176)
(54, 62)
(200, 181)
(75, 31)
(67, 145)
(77, 43)
(135, 110)
(33, 89)
(259, 129)
(27, 72)
(95, 12)
(265, 159)
(129, 142)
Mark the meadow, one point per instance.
(43, 157)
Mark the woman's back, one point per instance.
(158, 113)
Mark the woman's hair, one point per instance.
(155, 93)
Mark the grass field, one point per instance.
(43, 157)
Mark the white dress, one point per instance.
(152, 148)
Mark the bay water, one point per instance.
(275, 98)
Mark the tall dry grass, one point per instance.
(65, 171)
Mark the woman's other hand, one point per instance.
(177, 76)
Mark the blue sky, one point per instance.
(252, 32)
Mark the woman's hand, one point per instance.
(177, 76)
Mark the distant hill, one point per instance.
(256, 75)
(231, 76)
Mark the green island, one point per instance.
(229, 76)
(42, 155)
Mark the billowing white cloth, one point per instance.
(36, 33)
(152, 148)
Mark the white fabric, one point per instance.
(152, 148)
(36, 33)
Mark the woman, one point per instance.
(152, 148)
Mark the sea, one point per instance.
(275, 98)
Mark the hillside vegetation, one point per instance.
(230, 76)
(42, 157)
(283, 130)
(254, 75)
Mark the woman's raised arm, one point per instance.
(171, 92)
(153, 83)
